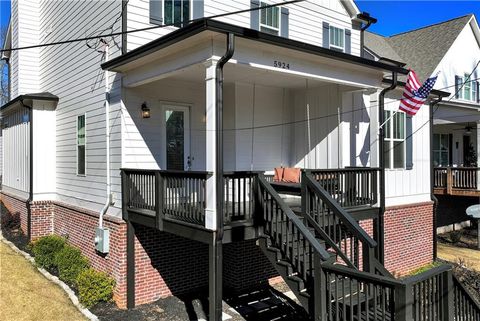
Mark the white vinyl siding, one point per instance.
(73, 73)
(304, 18)
(16, 138)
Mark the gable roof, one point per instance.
(435, 41)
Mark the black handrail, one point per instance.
(339, 211)
(324, 255)
(460, 289)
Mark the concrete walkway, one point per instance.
(27, 295)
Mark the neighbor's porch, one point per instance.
(455, 151)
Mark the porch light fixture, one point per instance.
(145, 111)
(468, 129)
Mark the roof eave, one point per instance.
(435, 92)
(39, 96)
(221, 27)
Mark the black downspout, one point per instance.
(362, 37)
(381, 151)
(433, 197)
(30, 189)
(216, 250)
(9, 74)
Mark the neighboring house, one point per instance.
(148, 151)
(451, 48)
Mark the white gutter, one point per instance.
(102, 235)
(107, 143)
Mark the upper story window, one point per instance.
(176, 12)
(469, 88)
(337, 38)
(394, 143)
(81, 143)
(269, 19)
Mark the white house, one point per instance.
(452, 50)
(149, 147)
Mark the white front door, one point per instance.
(176, 133)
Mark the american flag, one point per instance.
(414, 95)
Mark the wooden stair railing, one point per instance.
(342, 234)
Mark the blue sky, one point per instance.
(399, 16)
(393, 16)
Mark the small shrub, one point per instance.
(94, 287)
(10, 221)
(455, 236)
(70, 262)
(46, 248)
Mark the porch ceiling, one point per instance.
(234, 73)
(450, 114)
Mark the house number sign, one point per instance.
(281, 64)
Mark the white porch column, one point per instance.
(210, 113)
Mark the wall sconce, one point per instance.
(145, 111)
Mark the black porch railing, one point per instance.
(181, 195)
(175, 195)
(465, 307)
(342, 234)
(239, 195)
(456, 180)
(356, 186)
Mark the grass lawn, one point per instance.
(452, 253)
(25, 294)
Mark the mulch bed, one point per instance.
(467, 238)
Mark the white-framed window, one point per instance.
(176, 12)
(337, 38)
(81, 145)
(441, 149)
(394, 144)
(469, 90)
(269, 19)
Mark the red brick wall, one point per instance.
(78, 226)
(167, 265)
(17, 207)
(245, 266)
(42, 218)
(408, 237)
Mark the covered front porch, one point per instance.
(207, 120)
(456, 133)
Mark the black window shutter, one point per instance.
(284, 23)
(348, 41)
(408, 143)
(458, 83)
(198, 9)
(477, 83)
(156, 14)
(255, 15)
(326, 35)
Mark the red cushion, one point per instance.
(278, 174)
(291, 175)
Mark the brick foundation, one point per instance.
(408, 237)
(17, 207)
(78, 226)
(245, 266)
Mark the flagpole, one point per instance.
(394, 113)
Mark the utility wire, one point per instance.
(150, 28)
